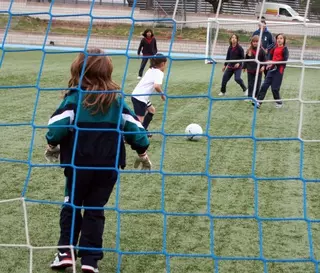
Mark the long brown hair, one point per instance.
(237, 37)
(96, 77)
(284, 38)
(255, 38)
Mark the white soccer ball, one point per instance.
(193, 131)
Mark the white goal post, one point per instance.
(211, 40)
(215, 25)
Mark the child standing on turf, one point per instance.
(148, 45)
(251, 67)
(91, 112)
(150, 82)
(274, 76)
(235, 52)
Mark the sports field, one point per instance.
(225, 215)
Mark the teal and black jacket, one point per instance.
(98, 139)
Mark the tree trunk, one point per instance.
(149, 4)
(215, 6)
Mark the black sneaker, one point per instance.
(258, 105)
(62, 261)
(149, 135)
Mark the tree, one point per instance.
(215, 4)
(314, 7)
(149, 4)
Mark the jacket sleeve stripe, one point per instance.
(66, 114)
(127, 111)
(131, 119)
(68, 106)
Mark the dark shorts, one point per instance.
(140, 107)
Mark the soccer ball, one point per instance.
(193, 131)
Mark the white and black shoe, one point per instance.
(89, 269)
(62, 261)
(258, 105)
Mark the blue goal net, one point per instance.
(241, 198)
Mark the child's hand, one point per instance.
(236, 65)
(163, 97)
(52, 153)
(223, 68)
(269, 66)
(145, 162)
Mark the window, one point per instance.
(284, 12)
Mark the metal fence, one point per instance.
(97, 2)
(239, 7)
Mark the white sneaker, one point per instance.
(245, 93)
(221, 94)
(138, 77)
(278, 105)
(89, 269)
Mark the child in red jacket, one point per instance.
(274, 77)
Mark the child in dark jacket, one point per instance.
(90, 125)
(148, 45)
(235, 52)
(251, 67)
(267, 41)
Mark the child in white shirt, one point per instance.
(150, 82)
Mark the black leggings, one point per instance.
(92, 189)
(143, 64)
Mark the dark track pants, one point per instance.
(273, 79)
(143, 64)
(251, 80)
(237, 77)
(92, 189)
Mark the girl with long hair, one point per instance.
(88, 126)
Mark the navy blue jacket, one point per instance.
(267, 41)
(234, 53)
(148, 47)
(279, 54)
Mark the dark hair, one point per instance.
(155, 62)
(284, 38)
(236, 37)
(144, 34)
(263, 22)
